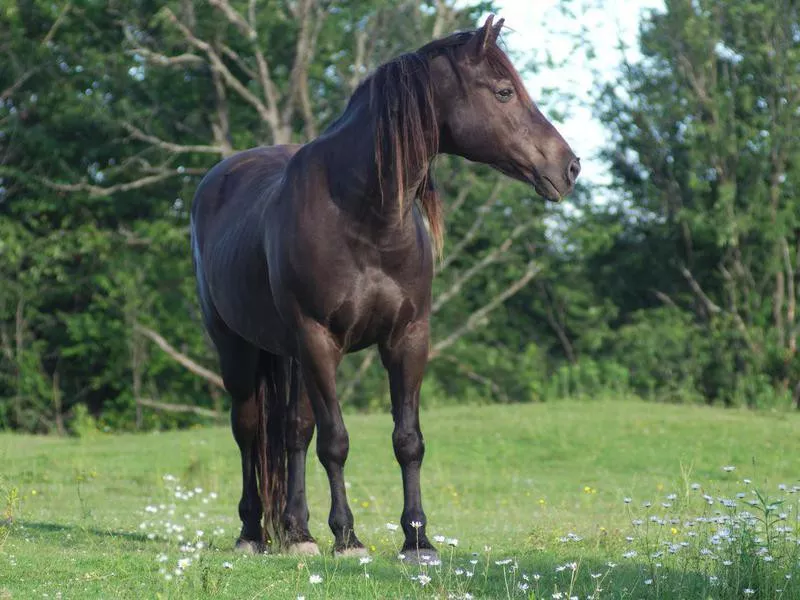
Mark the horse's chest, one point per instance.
(375, 309)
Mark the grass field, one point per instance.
(545, 501)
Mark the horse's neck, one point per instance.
(349, 151)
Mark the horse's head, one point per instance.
(486, 115)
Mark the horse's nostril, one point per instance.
(573, 170)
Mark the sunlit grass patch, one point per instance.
(523, 502)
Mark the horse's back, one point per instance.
(236, 182)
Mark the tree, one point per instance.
(113, 111)
(705, 158)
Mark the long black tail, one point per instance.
(273, 391)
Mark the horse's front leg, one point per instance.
(405, 361)
(319, 357)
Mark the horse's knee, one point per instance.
(333, 445)
(408, 445)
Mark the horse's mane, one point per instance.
(402, 105)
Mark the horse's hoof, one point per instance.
(248, 547)
(304, 548)
(423, 556)
(355, 551)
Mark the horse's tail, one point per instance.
(273, 391)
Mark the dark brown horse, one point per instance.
(304, 253)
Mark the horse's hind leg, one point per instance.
(239, 365)
(300, 429)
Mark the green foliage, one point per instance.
(680, 286)
(706, 175)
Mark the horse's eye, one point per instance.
(505, 94)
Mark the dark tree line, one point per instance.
(682, 287)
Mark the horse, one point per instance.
(303, 253)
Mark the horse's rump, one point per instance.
(228, 249)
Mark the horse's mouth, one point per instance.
(545, 188)
(541, 183)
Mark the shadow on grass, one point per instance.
(56, 528)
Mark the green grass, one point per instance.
(509, 482)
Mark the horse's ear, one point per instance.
(486, 36)
(496, 29)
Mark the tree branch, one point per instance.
(791, 294)
(267, 113)
(268, 88)
(474, 376)
(715, 309)
(56, 24)
(476, 317)
(98, 190)
(366, 363)
(304, 52)
(179, 408)
(179, 357)
(707, 302)
(157, 58)
(230, 53)
(359, 62)
(462, 196)
(221, 129)
(444, 14)
(482, 211)
(664, 298)
(10, 90)
(140, 135)
(479, 266)
(557, 324)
